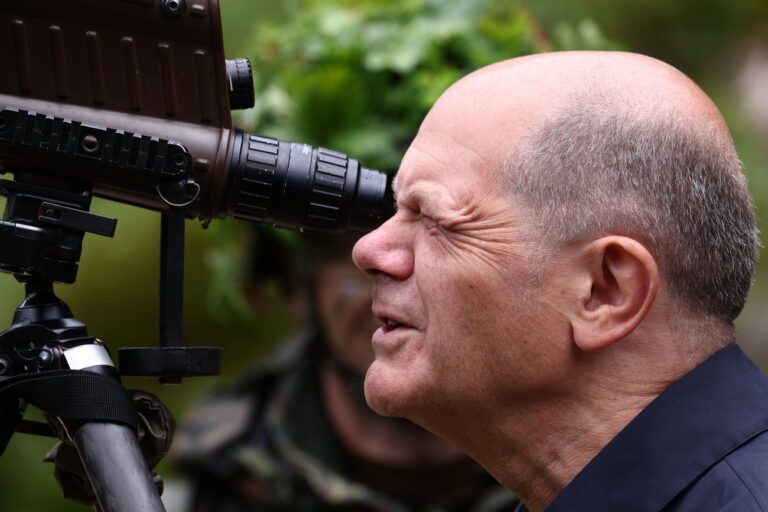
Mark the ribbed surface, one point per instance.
(133, 72)
(59, 54)
(130, 151)
(121, 56)
(327, 193)
(23, 60)
(96, 65)
(241, 94)
(168, 72)
(203, 73)
(254, 189)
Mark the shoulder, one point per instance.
(232, 416)
(737, 483)
(216, 422)
(205, 445)
(750, 464)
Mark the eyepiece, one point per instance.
(296, 186)
(240, 80)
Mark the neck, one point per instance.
(536, 445)
(539, 463)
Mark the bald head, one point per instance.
(509, 98)
(600, 143)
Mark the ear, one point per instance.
(620, 282)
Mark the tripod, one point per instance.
(47, 358)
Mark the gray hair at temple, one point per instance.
(604, 166)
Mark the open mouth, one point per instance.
(391, 324)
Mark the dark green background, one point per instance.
(325, 77)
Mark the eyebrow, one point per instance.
(415, 192)
(424, 198)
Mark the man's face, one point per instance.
(455, 286)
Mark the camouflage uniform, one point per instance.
(267, 446)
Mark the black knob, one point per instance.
(240, 78)
(173, 8)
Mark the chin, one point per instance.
(385, 393)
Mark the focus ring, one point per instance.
(326, 196)
(255, 189)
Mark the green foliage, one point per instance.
(359, 76)
(692, 35)
(223, 300)
(583, 35)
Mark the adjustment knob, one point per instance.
(240, 79)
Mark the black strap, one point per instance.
(68, 394)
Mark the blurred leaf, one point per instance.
(225, 301)
(584, 35)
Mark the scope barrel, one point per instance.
(262, 179)
(296, 186)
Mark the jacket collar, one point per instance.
(687, 429)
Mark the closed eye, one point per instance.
(429, 221)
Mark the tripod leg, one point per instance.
(116, 468)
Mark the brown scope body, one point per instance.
(121, 97)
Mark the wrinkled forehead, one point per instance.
(477, 122)
(486, 113)
(436, 160)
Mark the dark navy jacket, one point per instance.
(702, 445)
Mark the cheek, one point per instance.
(478, 315)
(460, 309)
(455, 281)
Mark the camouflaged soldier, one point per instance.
(297, 435)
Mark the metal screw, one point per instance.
(173, 8)
(90, 143)
(44, 359)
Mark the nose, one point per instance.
(385, 251)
